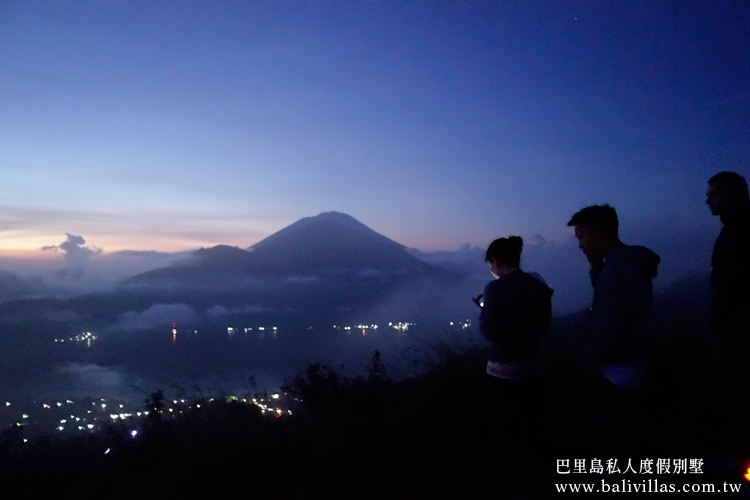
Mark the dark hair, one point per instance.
(506, 250)
(599, 217)
(733, 182)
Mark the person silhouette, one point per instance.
(613, 352)
(727, 197)
(516, 312)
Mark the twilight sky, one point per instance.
(175, 125)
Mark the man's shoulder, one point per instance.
(734, 234)
(634, 260)
(731, 250)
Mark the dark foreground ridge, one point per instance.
(372, 438)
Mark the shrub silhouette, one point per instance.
(376, 372)
(155, 405)
(318, 388)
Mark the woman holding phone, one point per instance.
(516, 312)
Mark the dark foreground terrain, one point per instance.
(372, 438)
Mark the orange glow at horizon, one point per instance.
(747, 474)
(28, 243)
(31, 255)
(33, 251)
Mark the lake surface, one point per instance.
(222, 361)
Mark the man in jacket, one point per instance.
(613, 352)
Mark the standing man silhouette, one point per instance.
(613, 353)
(727, 197)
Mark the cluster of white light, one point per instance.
(83, 425)
(270, 409)
(260, 328)
(364, 328)
(122, 416)
(84, 337)
(401, 326)
(358, 327)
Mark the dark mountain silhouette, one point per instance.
(331, 243)
(338, 220)
(201, 264)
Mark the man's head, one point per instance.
(596, 229)
(727, 192)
